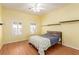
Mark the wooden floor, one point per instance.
(24, 48)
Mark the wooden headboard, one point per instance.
(56, 32)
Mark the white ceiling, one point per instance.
(26, 7)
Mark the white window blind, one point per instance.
(32, 28)
(17, 28)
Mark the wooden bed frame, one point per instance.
(57, 32)
(54, 32)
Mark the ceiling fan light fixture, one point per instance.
(37, 7)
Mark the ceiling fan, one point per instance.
(36, 7)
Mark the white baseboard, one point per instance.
(70, 46)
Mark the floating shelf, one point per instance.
(69, 21)
(61, 22)
(51, 24)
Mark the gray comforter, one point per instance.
(53, 39)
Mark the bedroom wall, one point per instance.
(10, 15)
(50, 28)
(70, 31)
(0, 25)
(71, 34)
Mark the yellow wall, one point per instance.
(70, 34)
(0, 25)
(0, 11)
(70, 31)
(10, 15)
(50, 28)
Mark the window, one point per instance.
(32, 28)
(17, 28)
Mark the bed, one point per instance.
(43, 42)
